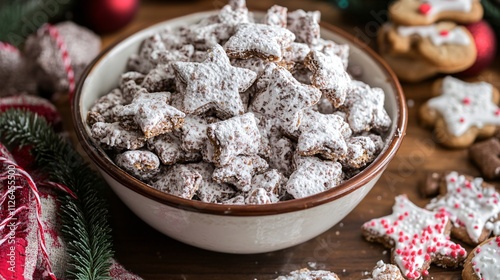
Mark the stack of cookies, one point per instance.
(426, 37)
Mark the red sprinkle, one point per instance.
(445, 33)
(497, 112)
(425, 8)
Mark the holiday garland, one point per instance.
(84, 220)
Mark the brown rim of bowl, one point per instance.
(100, 158)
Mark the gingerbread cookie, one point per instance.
(214, 84)
(306, 274)
(446, 47)
(418, 237)
(424, 12)
(462, 112)
(470, 204)
(483, 263)
(486, 156)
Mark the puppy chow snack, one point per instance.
(417, 237)
(306, 274)
(386, 271)
(461, 112)
(470, 204)
(484, 261)
(228, 108)
(142, 164)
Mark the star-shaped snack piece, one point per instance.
(418, 237)
(130, 85)
(143, 165)
(361, 150)
(266, 188)
(462, 112)
(313, 176)
(470, 203)
(113, 135)
(239, 171)
(329, 75)
(102, 109)
(221, 27)
(151, 113)
(284, 98)
(330, 48)
(209, 190)
(386, 271)
(168, 148)
(305, 26)
(214, 84)
(194, 132)
(259, 40)
(276, 16)
(179, 180)
(484, 261)
(324, 135)
(364, 108)
(236, 136)
(281, 156)
(306, 274)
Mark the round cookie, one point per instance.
(483, 263)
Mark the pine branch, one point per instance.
(85, 225)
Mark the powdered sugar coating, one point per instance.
(284, 98)
(239, 171)
(236, 136)
(417, 236)
(112, 135)
(168, 149)
(361, 150)
(329, 75)
(102, 110)
(364, 108)
(313, 176)
(259, 40)
(271, 182)
(305, 26)
(209, 190)
(323, 134)
(281, 155)
(470, 204)
(331, 48)
(141, 164)
(276, 16)
(306, 274)
(180, 180)
(194, 132)
(383, 271)
(214, 83)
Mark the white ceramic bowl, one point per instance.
(237, 228)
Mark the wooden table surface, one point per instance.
(341, 249)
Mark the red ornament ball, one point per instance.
(486, 45)
(105, 16)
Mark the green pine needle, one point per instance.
(85, 226)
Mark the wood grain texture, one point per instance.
(342, 249)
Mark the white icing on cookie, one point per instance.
(494, 227)
(432, 7)
(468, 203)
(486, 262)
(465, 105)
(437, 36)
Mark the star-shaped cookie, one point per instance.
(284, 98)
(261, 40)
(213, 84)
(323, 134)
(471, 204)
(462, 111)
(417, 237)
